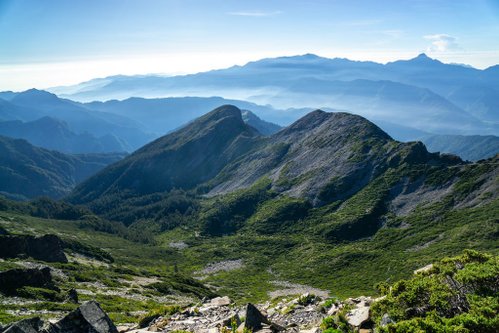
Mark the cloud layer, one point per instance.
(442, 43)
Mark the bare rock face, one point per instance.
(89, 317)
(13, 279)
(47, 248)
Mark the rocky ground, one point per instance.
(301, 314)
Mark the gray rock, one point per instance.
(220, 301)
(385, 320)
(31, 325)
(358, 316)
(254, 318)
(88, 318)
(72, 296)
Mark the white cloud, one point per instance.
(255, 13)
(442, 43)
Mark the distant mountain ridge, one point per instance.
(418, 92)
(27, 171)
(110, 129)
(54, 134)
(472, 148)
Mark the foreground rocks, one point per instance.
(302, 314)
(88, 318)
(47, 248)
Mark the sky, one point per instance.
(59, 42)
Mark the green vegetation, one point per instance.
(336, 324)
(227, 214)
(167, 310)
(124, 277)
(389, 209)
(459, 294)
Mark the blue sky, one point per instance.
(54, 42)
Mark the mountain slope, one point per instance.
(27, 171)
(54, 134)
(264, 127)
(183, 159)
(322, 158)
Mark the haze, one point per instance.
(51, 43)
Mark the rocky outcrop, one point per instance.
(14, 279)
(88, 318)
(47, 248)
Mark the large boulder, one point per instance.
(88, 318)
(31, 325)
(14, 279)
(359, 316)
(46, 248)
(254, 318)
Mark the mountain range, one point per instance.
(326, 197)
(330, 202)
(49, 122)
(421, 93)
(108, 129)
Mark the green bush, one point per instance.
(459, 294)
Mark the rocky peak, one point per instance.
(333, 124)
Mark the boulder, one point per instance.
(46, 248)
(31, 325)
(257, 322)
(254, 318)
(14, 279)
(72, 296)
(89, 317)
(220, 301)
(360, 314)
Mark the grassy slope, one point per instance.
(132, 261)
(301, 250)
(345, 247)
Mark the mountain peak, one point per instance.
(224, 111)
(422, 56)
(34, 95)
